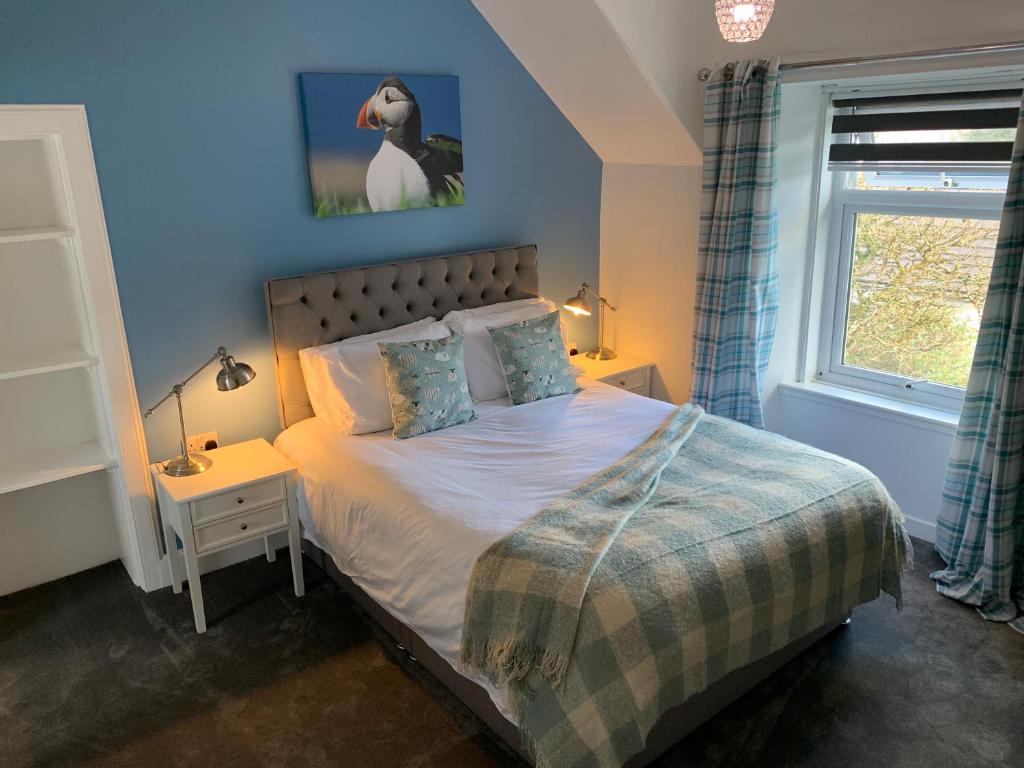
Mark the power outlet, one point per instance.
(200, 442)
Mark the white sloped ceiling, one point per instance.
(576, 55)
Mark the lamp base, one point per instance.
(602, 353)
(183, 466)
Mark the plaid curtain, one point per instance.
(980, 532)
(737, 287)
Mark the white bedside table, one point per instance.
(247, 494)
(624, 372)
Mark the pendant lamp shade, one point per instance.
(743, 21)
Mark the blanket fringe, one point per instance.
(554, 667)
(904, 559)
(508, 661)
(897, 554)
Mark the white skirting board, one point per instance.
(921, 529)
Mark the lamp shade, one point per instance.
(578, 304)
(233, 375)
(743, 21)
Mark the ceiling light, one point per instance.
(741, 21)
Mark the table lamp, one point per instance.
(231, 375)
(580, 305)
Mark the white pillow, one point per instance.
(500, 308)
(388, 335)
(314, 362)
(483, 368)
(345, 380)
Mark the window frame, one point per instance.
(838, 206)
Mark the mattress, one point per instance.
(407, 520)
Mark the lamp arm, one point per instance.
(600, 299)
(176, 390)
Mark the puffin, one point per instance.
(407, 171)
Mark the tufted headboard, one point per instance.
(310, 310)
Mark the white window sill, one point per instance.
(873, 405)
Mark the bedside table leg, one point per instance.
(173, 558)
(294, 545)
(295, 552)
(271, 552)
(195, 590)
(195, 587)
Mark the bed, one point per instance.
(400, 524)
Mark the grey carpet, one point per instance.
(93, 671)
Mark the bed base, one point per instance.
(673, 726)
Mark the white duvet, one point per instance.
(406, 520)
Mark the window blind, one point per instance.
(965, 128)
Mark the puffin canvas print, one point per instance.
(382, 142)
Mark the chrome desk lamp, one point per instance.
(580, 305)
(231, 375)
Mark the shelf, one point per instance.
(57, 464)
(44, 361)
(40, 299)
(34, 233)
(31, 185)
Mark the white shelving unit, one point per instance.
(67, 400)
(50, 400)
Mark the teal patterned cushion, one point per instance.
(533, 359)
(426, 385)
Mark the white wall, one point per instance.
(908, 455)
(798, 134)
(648, 242)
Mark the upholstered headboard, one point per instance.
(310, 310)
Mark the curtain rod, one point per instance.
(935, 53)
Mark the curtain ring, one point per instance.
(730, 72)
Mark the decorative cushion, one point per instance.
(534, 359)
(427, 385)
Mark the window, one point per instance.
(917, 183)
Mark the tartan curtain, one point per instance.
(737, 287)
(980, 531)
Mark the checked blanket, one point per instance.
(708, 547)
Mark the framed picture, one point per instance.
(382, 142)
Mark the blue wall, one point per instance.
(196, 128)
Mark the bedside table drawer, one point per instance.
(633, 380)
(241, 527)
(240, 500)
